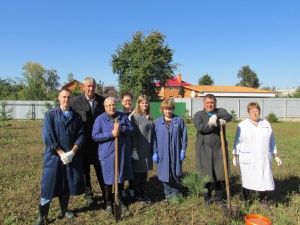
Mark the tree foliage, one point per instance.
(206, 80)
(37, 84)
(36, 88)
(142, 62)
(5, 115)
(248, 78)
(297, 93)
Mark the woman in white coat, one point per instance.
(253, 149)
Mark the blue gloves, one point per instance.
(155, 158)
(182, 155)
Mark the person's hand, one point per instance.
(278, 160)
(182, 155)
(115, 133)
(134, 155)
(235, 161)
(117, 126)
(68, 157)
(212, 122)
(155, 158)
(222, 122)
(62, 157)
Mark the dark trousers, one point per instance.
(219, 191)
(173, 187)
(108, 192)
(139, 181)
(87, 177)
(263, 195)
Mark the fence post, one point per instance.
(239, 109)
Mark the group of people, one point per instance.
(81, 132)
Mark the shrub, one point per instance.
(195, 181)
(187, 118)
(234, 116)
(5, 115)
(272, 118)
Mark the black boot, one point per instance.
(64, 202)
(43, 214)
(108, 208)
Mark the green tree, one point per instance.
(142, 62)
(52, 79)
(70, 77)
(35, 82)
(248, 78)
(77, 91)
(206, 80)
(5, 115)
(100, 87)
(297, 93)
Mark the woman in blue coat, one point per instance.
(63, 135)
(170, 144)
(104, 132)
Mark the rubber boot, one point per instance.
(43, 214)
(108, 208)
(64, 213)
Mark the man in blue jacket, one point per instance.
(63, 135)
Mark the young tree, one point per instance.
(142, 62)
(206, 80)
(248, 78)
(5, 115)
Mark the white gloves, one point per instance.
(212, 122)
(235, 161)
(278, 160)
(67, 157)
(222, 122)
(134, 155)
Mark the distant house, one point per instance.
(73, 84)
(174, 88)
(226, 91)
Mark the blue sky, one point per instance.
(209, 37)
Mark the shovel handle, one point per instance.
(116, 167)
(225, 168)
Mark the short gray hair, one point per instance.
(110, 99)
(89, 79)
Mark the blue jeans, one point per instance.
(173, 187)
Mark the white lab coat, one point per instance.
(255, 146)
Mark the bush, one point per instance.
(187, 118)
(234, 116)
(195, 181)
(272, 118)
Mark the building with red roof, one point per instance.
(174, 88)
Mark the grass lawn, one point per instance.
(21, 163)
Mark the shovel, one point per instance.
(118, 209)
(225, 169)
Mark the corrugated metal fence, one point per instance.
(282, 107)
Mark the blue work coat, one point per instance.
(61, 133)
(102, 133)
(168, 145)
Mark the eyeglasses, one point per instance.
(111, 105)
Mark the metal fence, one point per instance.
(282, 107)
